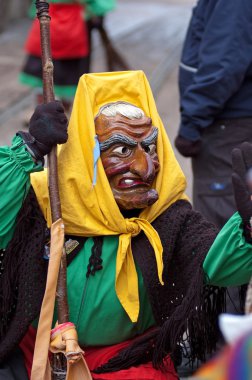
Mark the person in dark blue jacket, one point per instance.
(215, 83)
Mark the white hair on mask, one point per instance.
(122, 108)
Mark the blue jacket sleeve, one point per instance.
(224, 57)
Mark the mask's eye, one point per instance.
(150, 149)
(123, 150)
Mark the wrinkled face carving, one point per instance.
(129, 157)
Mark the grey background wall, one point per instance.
(12, 10)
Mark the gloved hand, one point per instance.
(47, 127)
(242, 184)
(188, 148)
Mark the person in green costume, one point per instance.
(71, 24)
(141, 177)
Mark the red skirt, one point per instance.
(97, 356)
(68, 33)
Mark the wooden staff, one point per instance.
(48, 95)
(76, 366)
(113, 58)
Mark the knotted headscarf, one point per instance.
(91, 210)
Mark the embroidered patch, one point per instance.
(70, 245)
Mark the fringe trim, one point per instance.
(193, 323)
(12, 260)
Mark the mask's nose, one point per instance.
(143, 166)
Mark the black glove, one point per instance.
(188, 148)
(47, 127)
(242, 184)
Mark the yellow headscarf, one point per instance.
(90, 210)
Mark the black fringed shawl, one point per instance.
(22, 276)
(182, 305)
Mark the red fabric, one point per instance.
(68, 33)
(96, 356)
(27, 346)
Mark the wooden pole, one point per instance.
(75, 366)
(113, 58)
(48, 94)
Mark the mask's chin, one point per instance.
(135, 201)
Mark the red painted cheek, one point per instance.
(113, 167)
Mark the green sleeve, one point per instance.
(229, 260)
(98, 7)
(15, 166)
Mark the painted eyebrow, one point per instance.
(117, 139)
(150, 139)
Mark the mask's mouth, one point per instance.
(128, 183)
(135, 197)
